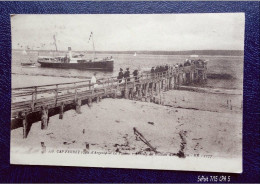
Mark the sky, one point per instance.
(130, 32)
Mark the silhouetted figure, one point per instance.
(166, 68)
(156, 69)
(120, 75)
(135, 73)
(152, 70)
(127, 74)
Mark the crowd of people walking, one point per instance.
(160, 69)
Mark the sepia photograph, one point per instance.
(143, 91)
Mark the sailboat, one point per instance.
(24, 52)
(29, 64)
(77, 62)
(135, 54)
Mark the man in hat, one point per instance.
(127, 74)
(120, 75)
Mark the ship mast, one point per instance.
(93, 46)
(54, 38)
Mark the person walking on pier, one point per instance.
(135, 74)
(94, 80)
(166, 67)
(152, 70)
(127, 75)
(120, 75)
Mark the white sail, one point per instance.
(24, 52)
(135, 54)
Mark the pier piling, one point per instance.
(45, 117)
(24, 118)
(78, 106)
(61, 111)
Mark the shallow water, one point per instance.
(232, 65)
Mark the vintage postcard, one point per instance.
(146, 91)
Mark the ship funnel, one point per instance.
(70, 53)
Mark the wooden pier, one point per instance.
(39, 103)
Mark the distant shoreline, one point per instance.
(189, 52)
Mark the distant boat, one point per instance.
(135, 54)
(77, 61)
(28, 64)
(24, 52)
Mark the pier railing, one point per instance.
(35, 99)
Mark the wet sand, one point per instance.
(19, 81)
(188, 122)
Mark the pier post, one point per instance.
(152, 90)
(24, 117)
(170, 82)
(167, 83)
(90, 102)
(78, 106)
(34, 98)
(139, 92)
(191, 76)
(159, 87)
(156, 87)
(146, 91)
(142, 90)
(117, 87)
(56, 94)
(89, 84)
(196, 75)
(45, 117)
(126, 89)
(181, 79)
(131, 93)
(163, 84)
(61, 111)
(177, 81)
(184, 81)
(76, 92)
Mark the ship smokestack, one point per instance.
(70, 52)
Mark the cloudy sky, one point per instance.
(130, 32)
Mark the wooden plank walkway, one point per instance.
(41, 99)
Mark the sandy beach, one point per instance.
(188, 122)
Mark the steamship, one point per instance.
(71, 61)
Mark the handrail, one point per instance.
(100, 79)
(106, 84)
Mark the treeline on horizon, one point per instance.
(188, 52)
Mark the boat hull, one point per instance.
(97, 65)
(27, 64)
